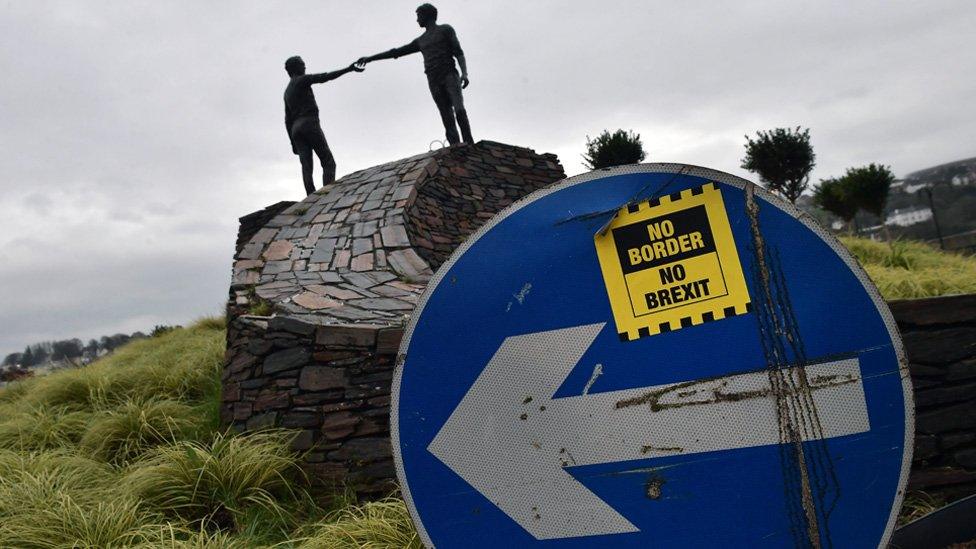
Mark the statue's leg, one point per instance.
(306, 158)
(298, 137)
(462, 119)
(453, 85)
(321, 147)
(443, 102)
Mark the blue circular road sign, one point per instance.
(652, 355)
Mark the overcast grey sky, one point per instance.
(133, 134)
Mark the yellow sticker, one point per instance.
(671, 263)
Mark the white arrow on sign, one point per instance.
(511, 440)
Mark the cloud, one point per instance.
(135, 134)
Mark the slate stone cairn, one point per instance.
(323, 288)
(940, 339)
(251, 223)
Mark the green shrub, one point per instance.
(161, 329)
(31, 481)
(61, 463)
(171, 536)
(15, 391)
(906, 269)
(180, 365)
(917, 504)
(123, 433)
(378, 524)
(260, 307)
(70, 388)
(60, 499)
(220, 483)
(67, 523)
(42, 428)
(210, 323)
(613, 149)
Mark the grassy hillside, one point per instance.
(907, 269)
(127, 452)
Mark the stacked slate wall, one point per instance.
(463, 193)
(251, 223)
(329, 383)
(940, 339)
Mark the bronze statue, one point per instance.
(302, 119)
(439, 46)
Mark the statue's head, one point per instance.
(426, 15)
(295, 66)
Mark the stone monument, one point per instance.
(322, 289)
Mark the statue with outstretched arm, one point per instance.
(302, 119)
(440, 47)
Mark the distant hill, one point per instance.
(909, 210)
(72, 352)
(946, 173)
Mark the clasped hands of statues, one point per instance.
(360, 66)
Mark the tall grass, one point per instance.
(905, 269)
(374, 525)
(125, 432)
(31, 482)
(41, 428)
(82, 524)
(222, 482)
(174, 537)
(182, 365)
(917, 504)
(127, 452)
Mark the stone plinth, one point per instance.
(321, 290)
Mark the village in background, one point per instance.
(934, 205)
(45, 356)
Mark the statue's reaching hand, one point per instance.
(357, 66)
(440, 47)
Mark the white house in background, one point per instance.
(909, 216)
(837, 225)
(912, 186)
(964, 179)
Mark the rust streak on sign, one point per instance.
(649, 448)
(796, 411)
(709, 391)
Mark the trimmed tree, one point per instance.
(613, 149)
(27, 357)
(834, 196)
(869, 186)
(783, 159)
